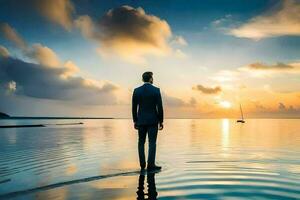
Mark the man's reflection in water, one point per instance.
(152, 194)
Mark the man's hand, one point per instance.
(136, 126)
(161, 126)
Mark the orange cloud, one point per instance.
(71, 68)
(278, 66)
(41, 54)
(283, 21)
(208, 90)
(57, 11)
(128, 33)
(44, 55)
(275, 68)
(12, 35)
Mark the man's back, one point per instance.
(147, 105)
(147, 114)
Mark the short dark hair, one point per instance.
(147, 76)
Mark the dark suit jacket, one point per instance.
(147, 106)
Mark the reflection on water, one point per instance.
(201, 159)
(152, 193)
(225, 134)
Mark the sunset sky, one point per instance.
(84, 57)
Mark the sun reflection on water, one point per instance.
(225, 123)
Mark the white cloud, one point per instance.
(227, 18)
(226, 76)
(180, 54)
(12, 86)
(283, 21)
(179, 40)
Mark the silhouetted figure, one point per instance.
(147, 113)
(152, 193)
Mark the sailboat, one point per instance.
(242, 115)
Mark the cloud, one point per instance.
(287, 109)
(57, 11)
(12, 35)
(275, 68)
(281, 111)
(283, 21)
(278, 66)
(172, 101)
(259, 106)
(71, 68)
(87, 27)
(129, 33)
(48, 77)
(179, 40)
(3, 52)
(192, 101)
(226, 76)
(281, 106)
(11, 87)
(41, 54)
(222, 20)
(256, 70)
(180, 54)
(208, 90)
(39, 81)
(44, 55)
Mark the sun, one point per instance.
(225, 104)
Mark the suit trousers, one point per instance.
(152, 136)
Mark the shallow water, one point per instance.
(201, 159)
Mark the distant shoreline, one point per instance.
(23, 126)
(37, 125)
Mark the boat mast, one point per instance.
(241, 112)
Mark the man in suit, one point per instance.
(147, 114)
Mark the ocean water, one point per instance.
(201, 159)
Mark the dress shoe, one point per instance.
(153, 167)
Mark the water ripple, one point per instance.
(201, 159)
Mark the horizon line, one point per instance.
(57, 117)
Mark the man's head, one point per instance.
(148, 77)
